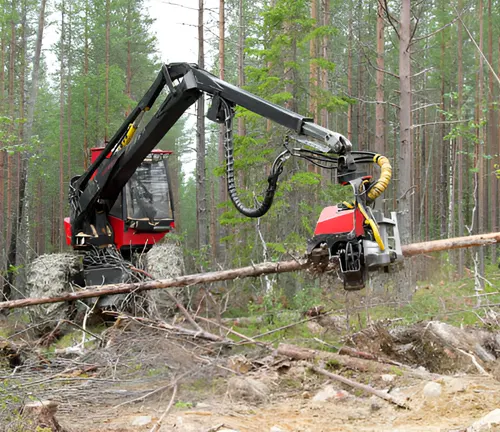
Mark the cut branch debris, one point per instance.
(243, 272)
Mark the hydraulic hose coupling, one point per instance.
(385, 177)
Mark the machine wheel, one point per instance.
(50, 275)
(164, 261)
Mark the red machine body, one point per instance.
(338, 220)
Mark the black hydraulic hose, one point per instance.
(272, 180)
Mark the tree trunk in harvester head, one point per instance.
(201, 193)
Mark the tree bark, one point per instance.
(313, 69)
(405, 154)
(222, 158)
(86, 155)
(107, 48)
(68, 81)
(349, 78)
(460, 143)
(201, 193)
(492, 131)
(481, 214)
(10, 217)
(62, 62)
(182, 281)
(324, 72)
(128, 80)
(380, 107)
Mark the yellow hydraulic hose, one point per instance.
(385, 177)
(373, 226)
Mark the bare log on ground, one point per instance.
(243, 272)
(359, 386)
(362, 365)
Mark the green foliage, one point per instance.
(183, 405)
(307, 297)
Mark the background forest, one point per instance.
(416, 81)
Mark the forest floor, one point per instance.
(465, 400)
(146, 378)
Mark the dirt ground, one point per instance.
(464, 400)
(127, 384)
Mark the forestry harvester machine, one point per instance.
(123, 203)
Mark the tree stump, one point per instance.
(41, 414)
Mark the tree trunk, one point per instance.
(460, 144)
(313, 69)
(324, 72)
(222, 158)
(106, 102)
(380, 107)
(201, 193)
(2, 152)
(13, 257)
(404, 160)
(128, 81)
(349, 78)
(481, 215)
(62, 62)
(10, 159)
(28, 126)
(492, 133)
(68, 80)
(442, 154)
(86, 155)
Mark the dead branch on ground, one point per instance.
(162, 325)
(359, 386)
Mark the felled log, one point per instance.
(362, 365)
(181, 281)
(452, 243)
(243, 272)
